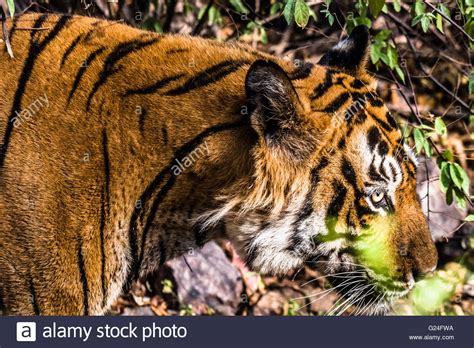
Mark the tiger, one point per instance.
(123, 148)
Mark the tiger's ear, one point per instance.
(351, 53)
(275, 107)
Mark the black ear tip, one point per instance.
(360, 35)
(350, 53)
(360, 29)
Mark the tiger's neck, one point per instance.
(185, 164)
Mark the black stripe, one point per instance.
(307, 209)
(341, 143)
(376, 102)
(410, 168)
(35, 50)
(383, 172)
(85, 64)
(34, 300)
(361, 116)
(162, 247)
(164, 132)
(70, 49)
(373, 137)
(391, 120)
(147, 195)
(37, 25)
(82, 277)
(384, 124)
(120, 52)
(348, 172)
(104, 212)
(374, 174)
(156, 86)
(208, 76)
(357, 84)
(382, 148)
(392, 170)
(336, 205)
(351, 177)
(337, 103)
(102, 248)
(13, 27)
(324, 86)
(315, 172)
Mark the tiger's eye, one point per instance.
(377, 197)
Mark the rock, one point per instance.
(210, 280)
(443, 219)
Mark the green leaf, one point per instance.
(327, 13)
(313, 14)
(375, 53)
(459, 177)
(471, 120)
(214, 15)
(289, 11)
(11, 7)
(201, 12)
(263, 36)
(276, 7)
(330, 18)
(444, 10)
(239, 6)
(301, 13)
(465, 178)
(392, 56)
(449, 196)
(444, 178)
(460, 199)
(427, 148)
(376, 6)
(469, 218)
(400, 73)
(439, 22)
(419, 139)
(425, 23)
(419, 7)
(440, 127)
(188, 7)
(397, 6)
(448, 155)
(382, 35)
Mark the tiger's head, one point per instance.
(332, 180)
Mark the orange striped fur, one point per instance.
(122, 148)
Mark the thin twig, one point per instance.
(6, 39)
(453, 23)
